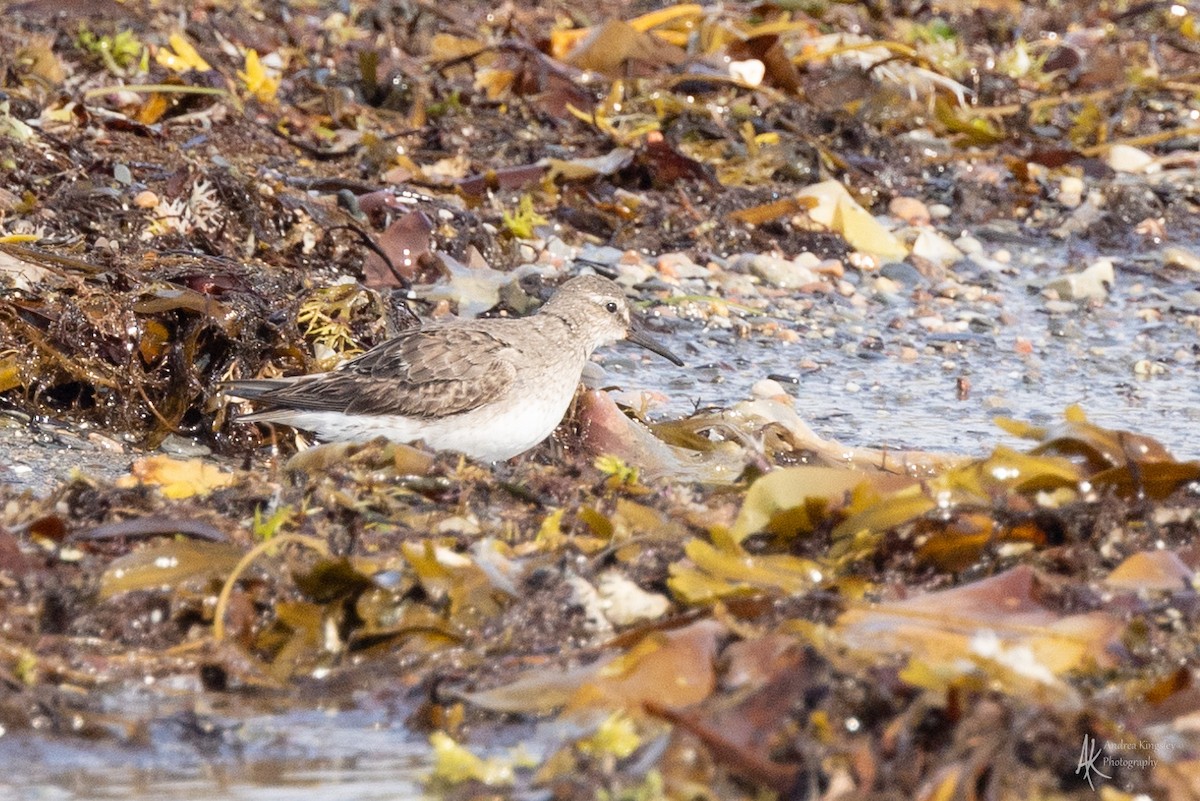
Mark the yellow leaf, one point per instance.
(617, 736)
(454, 764)
(183, 58)
(838, 211)
(261, 84)
(177, 478)
(787, 490)
(716, 574)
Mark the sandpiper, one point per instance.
(490, 389)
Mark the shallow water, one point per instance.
(348, 755)
(862, 393)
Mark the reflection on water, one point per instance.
(357, 780)
(349, 755)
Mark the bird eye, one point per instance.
(611, 307)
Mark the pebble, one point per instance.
(901, 272)
(778, 272)
(935, 247)
(558, 248)
(1070, 191)
(1092, 283)
(1178, 257)
(750, 72)
(1061, 307)
(939, 211)
(633, 273)
(767, 388)
(833, 267)
(968, 245)
(680, 265)
(600, 254)
(145, 199)
(909, 210)
(182, 446)
(886, 286)
(1126, 158)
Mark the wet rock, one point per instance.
(902, 273)
(1093, 283)
(936, 248)
(909, 210)
(968, 244)
(750, 72)
(939, 211)
(603, 255)
(1178, 257)
(778, 272)
(1145, 368)
(182, 446)
(679, 266)
(1125, 158)
(1070, 191)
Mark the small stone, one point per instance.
(750, 72)
(767, 388)
(122, 175)
(903, 273)
(182, 446)
(1178, 257)
(1126, 158)
(680, 265)
(939, 211)
(631, 273)
(886, 286)
(832, 267)
(145, 199)
(558, 248)
(1003, 256)
(1070, 191)
(936, 248)
(782, 273)
(9, 201)
(909, 210)
(1061, 307)
(1093, 283)
(968, 244)
(605, 255)
(1146, 368)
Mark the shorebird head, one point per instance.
(598, 309)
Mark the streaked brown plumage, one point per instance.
(488, 388)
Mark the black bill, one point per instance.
(639, 336)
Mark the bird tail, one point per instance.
(253, 389)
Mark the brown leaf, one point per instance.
(405, 241)
(610, 47)
(1000, 620)
(1151, 570)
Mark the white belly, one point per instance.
(511, 425)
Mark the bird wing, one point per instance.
(424, 372)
